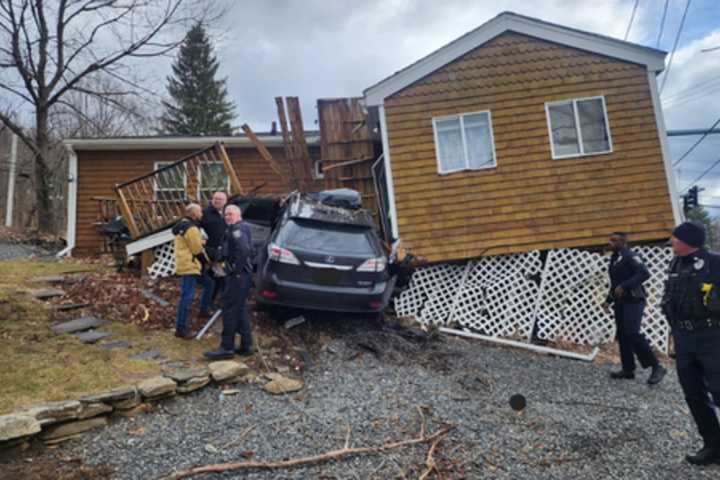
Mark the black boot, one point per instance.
(657, 374)
(622, 374)
(219, 354)
(706, 456)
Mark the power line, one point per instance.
(677, 39)
(717, 162)
(662, 24)
(704, 135)
(632, 17)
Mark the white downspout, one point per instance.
(388, 174)
(11, 182)
(71, 202)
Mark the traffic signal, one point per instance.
(691, 198)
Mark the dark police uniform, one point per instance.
(694, 316)
(628, 271)
(238, 253)
(214, 225)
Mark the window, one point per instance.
(333, 240)
(578, 127)
(170, 184)
(464, 142)
(212, 178)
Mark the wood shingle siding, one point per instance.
(529, 201)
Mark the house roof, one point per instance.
(176, 142)
(507, 21)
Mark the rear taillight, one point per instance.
(282, 255)
(375, 305)
(269, 294)
(373, 265)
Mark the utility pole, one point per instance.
(11, 181)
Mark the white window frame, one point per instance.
(200, 185)
(460, 116)
(578, 130)
(157, 166)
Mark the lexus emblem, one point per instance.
(330, 259)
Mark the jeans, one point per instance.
(187, 290)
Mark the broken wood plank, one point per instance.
(234, 181)
(127, 213)
(290, 156)
(298, 138)
(264, 153)
(348, 163)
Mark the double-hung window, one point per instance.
(464, 142)
(578, 127)
(170, 184)
(212, 178)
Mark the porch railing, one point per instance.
(156, 200)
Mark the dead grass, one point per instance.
(39, 366)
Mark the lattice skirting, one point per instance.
(164, 264)
(516, 295)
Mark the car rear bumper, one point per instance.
(323, 297)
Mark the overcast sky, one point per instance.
(337, 48)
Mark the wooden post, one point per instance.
(298, 133)
(235, 185)
(290, 156)
(127, 213)
(264, 153)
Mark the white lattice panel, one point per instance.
(442, 288)
(569, 306)
(654, 324)
(430, 294)
(164, 264)
(489, 270)
(506, 309)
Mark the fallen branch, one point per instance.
(433, 439)
(430, 464)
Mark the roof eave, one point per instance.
(173, 143)
(653, 59)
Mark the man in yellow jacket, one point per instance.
(190, 259)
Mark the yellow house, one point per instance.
(524, 135)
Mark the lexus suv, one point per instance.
(324, 254)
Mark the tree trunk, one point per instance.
(42, 171)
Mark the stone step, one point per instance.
(91, 336)
(78, 325)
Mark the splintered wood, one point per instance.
(348, 148)
(297, 153)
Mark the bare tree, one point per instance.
(50, 49)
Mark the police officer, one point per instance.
(691, 305)
(214, 225)
(628, 298)
(238, 254)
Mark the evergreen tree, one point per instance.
(700, 214)
(198, 102)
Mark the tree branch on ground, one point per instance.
(346, 451)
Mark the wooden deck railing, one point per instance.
(156, 200)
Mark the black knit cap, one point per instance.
(691, 233)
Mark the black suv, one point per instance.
(323, 253)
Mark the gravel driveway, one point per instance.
(577, 424)
(13, 251)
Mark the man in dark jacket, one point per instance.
(691, 304)
(627, 297)
(214, 225)
(238, 253)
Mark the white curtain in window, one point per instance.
(592, 125)
(450, 146)
(563, 129)
(479, 141)
(212, 179)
